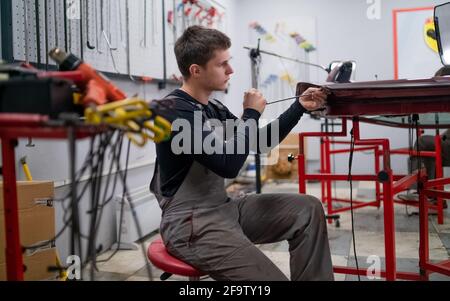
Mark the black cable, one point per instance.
(105, 201)
(66, 221)
(122, 204)
(117, 161)
(75, 242)
(350, 163)
(73, 221)
(415, 119)
(334, 160)
(97, 167)
(95, 160)
(411, 149)
(96, 172)
(133, 211)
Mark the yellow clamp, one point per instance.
(135, 117)
(160, 128)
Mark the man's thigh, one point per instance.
(218, 247)
(269, 218)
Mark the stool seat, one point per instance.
(158, 255)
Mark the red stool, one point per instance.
(158, 255)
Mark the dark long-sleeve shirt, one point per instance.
(174, 164)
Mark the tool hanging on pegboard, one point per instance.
(107, 34)
(194, 12)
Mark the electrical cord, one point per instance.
(117, 159)
(126, 195)
(96, 184)
(96, 181)
(65, 209)
(350, 163)
(118, 148)
(415, 120)
(411, 149)
(95, 160)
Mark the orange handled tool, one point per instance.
(98, 89)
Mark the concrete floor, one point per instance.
(369, 237)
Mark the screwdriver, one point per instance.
(286, 99)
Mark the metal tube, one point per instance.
(25, 10)
(288, 58)
(46, 32)
(81, 30)
(66, 45)
(38, 32)
(128, 40)
(144, 40)
(55, 16)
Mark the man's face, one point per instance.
(216, 74)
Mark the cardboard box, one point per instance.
(36, 217)
(35, 226)
(283, 169)
(28, 192)
(36, 266)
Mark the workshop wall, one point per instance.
(340, 30)
(343, 31)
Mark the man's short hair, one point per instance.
(197, 45)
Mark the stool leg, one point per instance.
(165, 276)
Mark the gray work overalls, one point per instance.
(202, 226)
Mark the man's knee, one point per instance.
(312, 204)
(316, 206)
(310, 213)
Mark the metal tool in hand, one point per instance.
(286, 99)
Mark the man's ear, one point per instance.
(194, 70)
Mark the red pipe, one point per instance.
(14, 261)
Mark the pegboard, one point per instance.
(83, 27)
(180, 15)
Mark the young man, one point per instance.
(200, 224)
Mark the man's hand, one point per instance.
(313, 99)
(253, 99)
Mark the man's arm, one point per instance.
(216, 152)
(312, 99)
(225, 157)
(284, 124)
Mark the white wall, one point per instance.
(344, 32)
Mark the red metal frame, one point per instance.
(404, 183)
(381, 147)
(13, 127)
(436, 154)
(432, 188)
